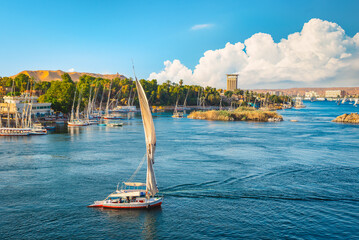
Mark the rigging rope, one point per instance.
(138, 169)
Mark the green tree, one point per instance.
(228, 94)
(60, 95)
(66, 77)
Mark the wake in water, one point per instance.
(247, 187)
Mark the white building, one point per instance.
(38, 109)
(334, 93)
(311, 95)
(278, 93)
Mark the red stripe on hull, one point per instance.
(155, 205)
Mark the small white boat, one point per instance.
(135, 194)
(114, 124)
(178, 115)
(111, 117)
(38, 129)
(93, 121)
(77, 123)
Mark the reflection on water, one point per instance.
(145, 219)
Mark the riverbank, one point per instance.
(347, 118)
(239, 114)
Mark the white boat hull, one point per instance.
(14, 131)
(152, 202)
(77, 124)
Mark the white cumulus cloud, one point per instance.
(173, 71)
(71, 70)
(201, 26)
(321, 54)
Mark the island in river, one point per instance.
(239, 114)
(347, 118)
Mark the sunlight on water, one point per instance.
(220, 179)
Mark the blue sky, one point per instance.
(103, 36)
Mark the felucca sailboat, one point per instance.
(136, 194)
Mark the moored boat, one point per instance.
(119, 124)
(49, 128)
(77, 123)
(112, 117)
(15, 131)
(38, 129)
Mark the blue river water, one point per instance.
(226, 180)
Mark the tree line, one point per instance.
(61, 93)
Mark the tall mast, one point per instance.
(199, 97)
(30, 110)
(129, 98)
(89, 104)
(78, 107)
(8, 115)
(16, 119)
(175, 111)
(108, 98)
(94, 98)
(150, 136)
(73, 106)
(133, 99)
(119, 95)
(100, 107)
(24, 107)
(185, 100)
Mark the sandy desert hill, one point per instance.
(49, 75)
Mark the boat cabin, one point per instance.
(130, 192)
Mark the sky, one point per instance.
(270, 44)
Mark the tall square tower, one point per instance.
(232, 80)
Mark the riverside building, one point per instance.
(334, 93)
(232, 80)
(18, 103)
(311, 95)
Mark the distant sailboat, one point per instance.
(344, 100)
(356, 102)
(176, 113)
(107, 115)
(75, 120)
(298, 103)
(136, 194)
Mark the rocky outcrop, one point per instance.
(240, 114)
(347, 118)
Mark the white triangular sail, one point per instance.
(150, 135)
